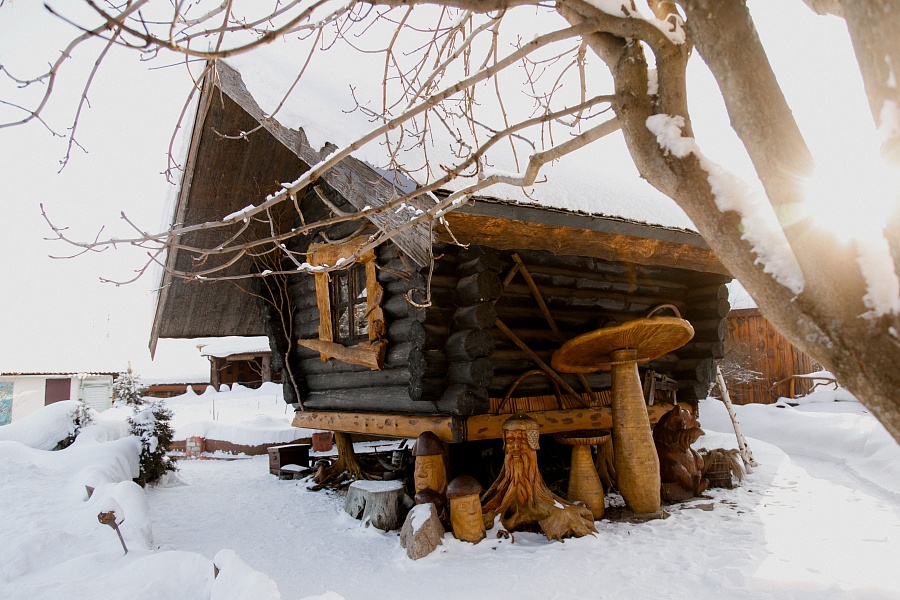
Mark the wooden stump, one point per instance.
(381, 504)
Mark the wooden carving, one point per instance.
(680, 466)
(520, 497)
(465, 509)
(430, 471)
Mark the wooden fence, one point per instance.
(757, 356)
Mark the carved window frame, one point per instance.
(370, 352)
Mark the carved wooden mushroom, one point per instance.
(465, 509)
(430, 470)
(584, 483)
(619, 349)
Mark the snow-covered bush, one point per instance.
(151, 424)
(82, 416)
(128, 388)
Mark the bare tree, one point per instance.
(447, 110)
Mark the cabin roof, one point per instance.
(218, 180)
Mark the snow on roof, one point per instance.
(599, 179)
(229, 346)
(56, 374)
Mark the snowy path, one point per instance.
(786, 533)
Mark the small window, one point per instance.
(350, 305)
(351, 321)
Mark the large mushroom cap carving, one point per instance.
(650, 337)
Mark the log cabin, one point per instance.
(447, 329)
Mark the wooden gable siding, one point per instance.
(227, 175)
(761, 357)
(359, 183)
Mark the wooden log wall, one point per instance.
(583, 294)
(470, 344)
(445, 354)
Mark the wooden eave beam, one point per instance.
(575, 237)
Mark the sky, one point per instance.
(56, 315)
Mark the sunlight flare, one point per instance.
(852, 195)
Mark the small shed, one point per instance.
(243, 360)
(23, 393)
(757, 358)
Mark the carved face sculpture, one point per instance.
(520, 436)
(465, 509)
(465, 518)
(429, 472)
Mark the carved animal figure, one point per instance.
(680, 466)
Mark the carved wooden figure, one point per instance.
(465, 509)
(584, 482)
(520, 497)
(679, 465)
(619, 349)
(430, 469)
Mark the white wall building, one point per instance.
(23, 393)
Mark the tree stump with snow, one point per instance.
(382, 504)
(422, 531)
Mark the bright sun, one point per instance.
(852, 195)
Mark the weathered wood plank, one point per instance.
(507, 234)
(389, 425)
(487, 427)
(357, 379)
(374, 399)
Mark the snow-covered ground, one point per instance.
(819, 518)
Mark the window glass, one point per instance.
(349, 305)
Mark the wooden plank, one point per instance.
(367, 354)
(389, 425)
(459, 429)
(488, 427)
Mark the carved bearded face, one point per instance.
(519, 442)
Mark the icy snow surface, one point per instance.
(818, 518)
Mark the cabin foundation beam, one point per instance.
(455, 429)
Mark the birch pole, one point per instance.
(743, 448)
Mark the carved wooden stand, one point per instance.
(584, 483)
